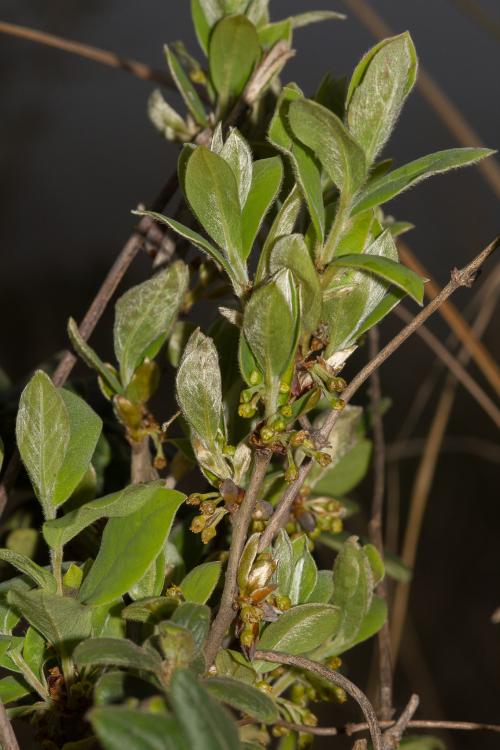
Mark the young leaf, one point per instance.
(90, 357)
(186, 88)
(379, 86)
(236, 152)
(43, 434)
(283, 554)
(325, 134)
(195, 618)
(266, 183)
(245, 698)
(323, 590)
(373, 620)
(35, 652)
(144, 316)
(39, 575)
(305, 167)
(152, 582)
(200, 582)
(121, 727)
(60, 619)
(299, 630)
(128, 547)
(165, 119)
(272, 33)
(198, 386)
(258, 12)
(270, 325)
(84, 432)
(212, 193)
(386, 187)
(384, 307)
(291, 252)
(12, 688)
(204, 721)
(304, 572)
(116, 652)
(352, 591)
(60, 531)
(283, 224)
(315, 16)
(234, 50)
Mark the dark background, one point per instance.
(78, 153)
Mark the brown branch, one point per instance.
(138, 69)
(444, 108)
(385, 708)
(460, 373)
(455, 320)
(337, 679)
(394, 734)
(7, 736)
(241, 522)
(463, 277)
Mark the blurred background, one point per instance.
(78, 153)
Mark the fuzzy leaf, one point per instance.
(379, 86)
(352, 591)
(386, 187)
(283, 224)
(304, 572)
(245, 698)
(122, 727)
(204, 721)
(200, 582)
(116, 652)
(372, 622)
(39, 575)
(315, 16)
(199, 390)
(323, 590)
(43, 434)
(60, 531)
(195, 618)
(291, 252)
(384, 307)
(12, 688)
(234, 50)
(236, 152)
(347, 473)
(60, 619)
(164, 117)
(186, 88)
(90, 357)
(283, 554)
(299, 630)
(272, 33)
(265, 186)
(144, 316)
(128, 547)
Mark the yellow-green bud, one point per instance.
(283, 602)
(266, 434)
(291, 473)
(286, 410)
(198, 524)
(336, 525)
(335, 662)
(247, 411)
(208, 534)
(255, 377)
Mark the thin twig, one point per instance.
(463, 277)
(444, 108)
(480, 16)
(337, 679)
(241, 522)
(471, 445)
(460, 373)
(7, 736)
(393, 735)
(138, 69)
(385, 708)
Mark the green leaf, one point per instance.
(43, 435)
(118, 687)
(352, 591)
(116, 652)
(384, 307)
(387, 269)
(196, 619)
(272, 33)
(84, 432)
(90, 357)
(234, 49)
(121, 727)
(212, 192)
(237, 153)
(186, 88)
(299, 630)
(10, 645)
(245, 698)
(8, 617)
(264, 189)
(283, 224)
(39, 575)
(305, 167)
(128, 547)
(12, 688)
(205, 13)
(283, 554)
(323, 590)
(247, 560)
(60, 619)
(165, 119)
(376, 563)
(422, 743)
(152, 582)
(204, 721)
(35, 652)
(270, 325)
(386, 187)
(60, 531)
(144, 316)
(315, 16)
(200, 582)
(336, 149)
(291, 252)
(233, 664)
(379, 86)
(258, 12)
(199, 389)
(394, 566)
(304, 572)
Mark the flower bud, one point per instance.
(255, 377)
(208, 534)
(286, 411)
(266, 434)
(246, 411)
(198, 524)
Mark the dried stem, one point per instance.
(394, 734)
(337, 679)
(375, 527)
(7, 736)
(350, 729)
(241, 522)
(463, 277)
(138, 69)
